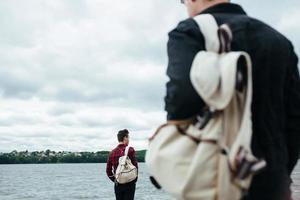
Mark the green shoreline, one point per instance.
(53, 157)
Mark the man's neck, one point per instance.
(207, 4)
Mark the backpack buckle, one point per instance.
(202, 120)
(247, 165)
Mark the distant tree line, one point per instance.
(48, 156)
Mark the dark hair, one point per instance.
(122, 134)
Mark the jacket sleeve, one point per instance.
(181, 100)
(109, 168)
(293, 113)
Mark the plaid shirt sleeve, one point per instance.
(109, 167)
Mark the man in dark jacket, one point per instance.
(122, 191)
(276, 89)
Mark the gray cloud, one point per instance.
(74, 72)
(85, 50)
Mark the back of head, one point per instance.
(194, 7)
(122, 135)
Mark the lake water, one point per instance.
(76, 181)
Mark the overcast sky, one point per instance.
(74, 72)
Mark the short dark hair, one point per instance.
(122, 134)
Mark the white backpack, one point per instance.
(209, 157)
(126, 171)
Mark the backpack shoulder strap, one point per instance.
(126, 151)
(209, 28)
(217, 39)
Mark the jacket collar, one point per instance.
(229, 8)
(122, 145)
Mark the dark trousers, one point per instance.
(270, 186)
(125, 191)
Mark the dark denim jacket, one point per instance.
(276, 88)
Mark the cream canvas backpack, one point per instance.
(209, 157)
(126, 171)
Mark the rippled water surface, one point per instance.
(76, 181)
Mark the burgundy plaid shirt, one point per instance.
(113, 159)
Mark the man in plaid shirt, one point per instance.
(122, 191)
